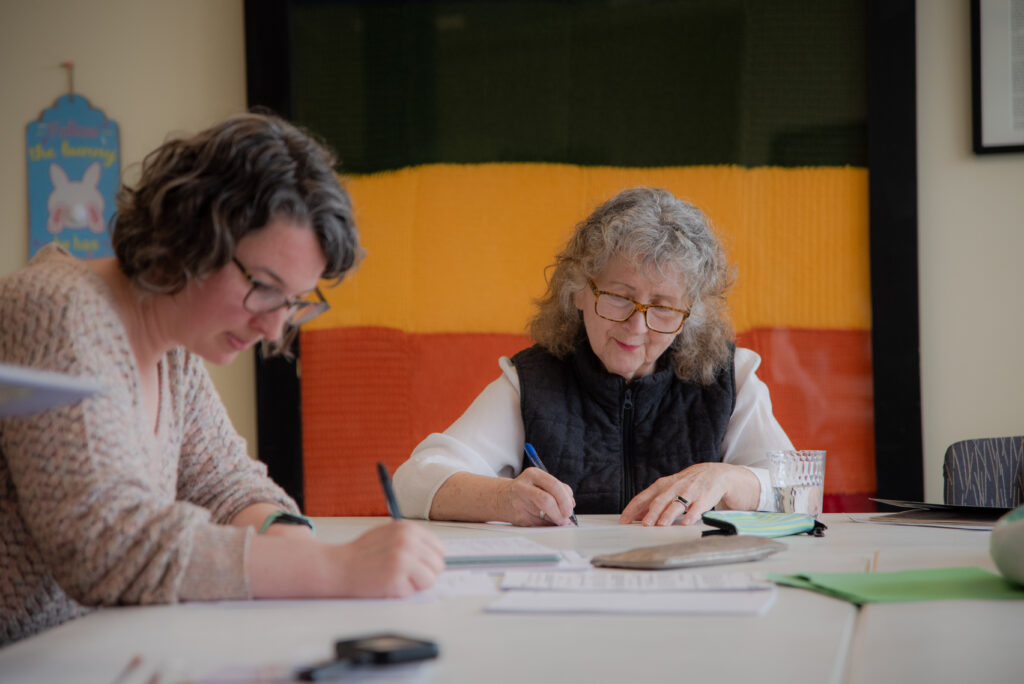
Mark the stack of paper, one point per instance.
(675, 593)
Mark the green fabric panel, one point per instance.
(612, 82)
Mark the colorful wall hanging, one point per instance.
(73, 157)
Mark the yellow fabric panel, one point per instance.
(463, 248)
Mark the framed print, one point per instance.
(997, 66)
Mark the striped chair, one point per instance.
(985, 472)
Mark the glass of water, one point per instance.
(798, 480)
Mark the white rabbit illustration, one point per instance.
(75, 204)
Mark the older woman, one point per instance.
(634, 395)
(145, 493)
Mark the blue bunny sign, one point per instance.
(73, 155)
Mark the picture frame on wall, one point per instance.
(997, 70)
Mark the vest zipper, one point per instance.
(627, 448)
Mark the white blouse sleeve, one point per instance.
(486, 440)
(753, 431)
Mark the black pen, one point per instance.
(389, 492)
(531, 454)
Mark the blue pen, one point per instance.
(389, 492)
(531, 454)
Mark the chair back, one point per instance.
(985, 472)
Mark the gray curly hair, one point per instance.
(651, 228)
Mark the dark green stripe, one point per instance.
(616, 82)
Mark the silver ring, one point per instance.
(686, 504)
(541, 514)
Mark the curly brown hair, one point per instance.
(651, 228)
(197, 196)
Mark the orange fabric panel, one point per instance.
(356, 403)
(822, 395)
(371, 394)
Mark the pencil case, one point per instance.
(690, 553)
(762, 523)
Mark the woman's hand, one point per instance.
(535, 498)
(704, 485)
(390, 561)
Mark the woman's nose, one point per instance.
(271, 324)
(636, 323)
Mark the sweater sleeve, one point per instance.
(486, 440)
(95, 493)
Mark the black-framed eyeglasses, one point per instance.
(615, 307)
(263, 298)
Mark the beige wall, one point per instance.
(971, 251)
(157, 66)
(154, 66)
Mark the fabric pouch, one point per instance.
(762, 523)
(690, 553)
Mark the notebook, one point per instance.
(497, 551)
(924, 514)
(977, 511)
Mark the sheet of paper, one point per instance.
(495, 526)
(29, 390)
(655, 603)
(454, 583)
(633, 581)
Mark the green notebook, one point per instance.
(933, 584)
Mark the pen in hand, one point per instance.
(531, 454)
(389, 492)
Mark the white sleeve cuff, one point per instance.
(766, 501)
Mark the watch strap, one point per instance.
(286, 518)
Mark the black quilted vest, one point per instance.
(609, 439)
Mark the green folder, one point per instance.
(933, 584)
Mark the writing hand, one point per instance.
(536, 498)
(390, 561)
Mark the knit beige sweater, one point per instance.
(96, 509)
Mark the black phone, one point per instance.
(384, 649)
(374, 649)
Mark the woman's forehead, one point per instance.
(665, 278)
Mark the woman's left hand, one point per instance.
(703, 485)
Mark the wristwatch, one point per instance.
(286, 518)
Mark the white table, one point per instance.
(805, 637)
